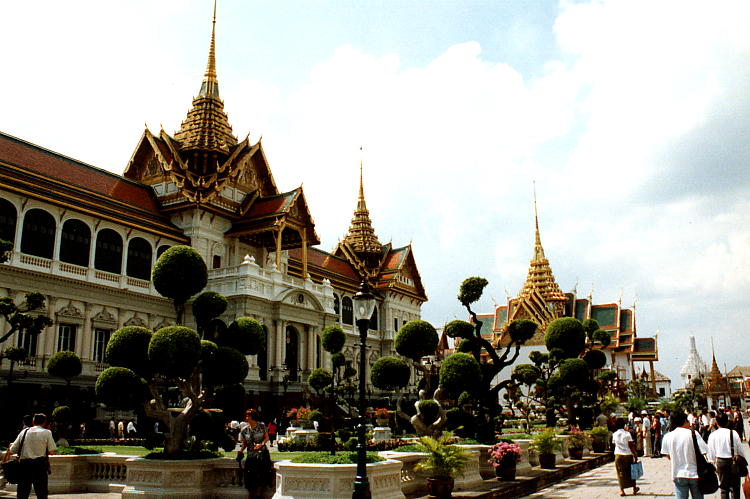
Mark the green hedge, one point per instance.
(340, 458)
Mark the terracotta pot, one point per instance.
(576, 453)
(598, 446)
(547, 461)
(506, 471)
(440, 487)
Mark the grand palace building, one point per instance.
(87, 239)
(541, 300)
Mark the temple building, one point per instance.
(718, 389)
(541, 300)
(694, 367)
(87, 239)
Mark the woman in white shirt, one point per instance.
(720, 450)
(625, 455)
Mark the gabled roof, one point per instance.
(739, 372)
(398, 264)
(288, 211)
(42, 174)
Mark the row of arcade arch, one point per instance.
(37, 238)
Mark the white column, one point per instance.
(311, 348)
(302, 349)
(58, 238)
(280, 339)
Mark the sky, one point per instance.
(632, 118)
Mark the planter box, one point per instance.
(335, 481)
(167, 479)
(485, 468)
(523, 466)
(380, 433)
(415, 482)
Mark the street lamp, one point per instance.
(364, 304)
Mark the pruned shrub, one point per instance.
(596, 359)
(430, 411)
(64, 364)
(565, 333)
(333, 339)
(389, 373)
(174, 351)
(460, 372)
(119, 388)
(522, 330)
(471, 290)
(244, 334)
(230, 367)
(208, 305)
(459, 329)
(179, 273)
(128, 347)
(416, 339)
(319, 379)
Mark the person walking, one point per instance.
(723, 444)
(258, 466)
(656, 432)
(625, 455)
(739, 424)
(33, 445)
(677, 445)
(646, 432)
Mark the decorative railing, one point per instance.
(36, 261)
(139, 283)
(106, 276)
(73, 269)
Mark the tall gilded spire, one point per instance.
(540, 278)
(361, 236)
(210, 85)
(207, 127)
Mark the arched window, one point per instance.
(139, 259)
(38, 236)
(75, 241)
(336, 304)
(108, 251)
(162, 249)
(374, 319)
(8, 216)
(347, 310)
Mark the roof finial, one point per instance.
(210, 86)
(538, 249)
(361, 200)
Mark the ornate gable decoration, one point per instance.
(135, 321)
(70, 312)
(104, 316)
(203, 157)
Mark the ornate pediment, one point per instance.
(104, 316)
(70, 312)
(135, 321)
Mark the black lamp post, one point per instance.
(364, 304)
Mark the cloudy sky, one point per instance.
(632, 117)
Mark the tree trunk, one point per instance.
(174, 439)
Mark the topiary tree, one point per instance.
(19, 317)
(207, 306)
(13, 354)
(146, 364)
(66, 365)
(497, 357)
(178, 274)
(522, 392)
(172, 356)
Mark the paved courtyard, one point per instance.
(601, 483)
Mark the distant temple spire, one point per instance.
(207, 127)
(540, 278)
(361, 236)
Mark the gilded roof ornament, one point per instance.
(540, 278)
(207, 127)
(361, 236)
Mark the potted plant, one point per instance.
(443, 463)
(382, 416)
(577, 441)
(545, 443)
(599, 437)
(503, 457)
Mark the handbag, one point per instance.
(746, 487)
(739, 463)
(13, 470)
(636, 470)
(708, 481)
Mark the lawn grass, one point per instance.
(137, 451)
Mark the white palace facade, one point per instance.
(87, 240)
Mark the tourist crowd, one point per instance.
(689, 440)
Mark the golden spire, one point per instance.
(540, 278)
(361, 236)
(210, 85)
(207, 127)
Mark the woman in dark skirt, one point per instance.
(625, 455)
(257, 471)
